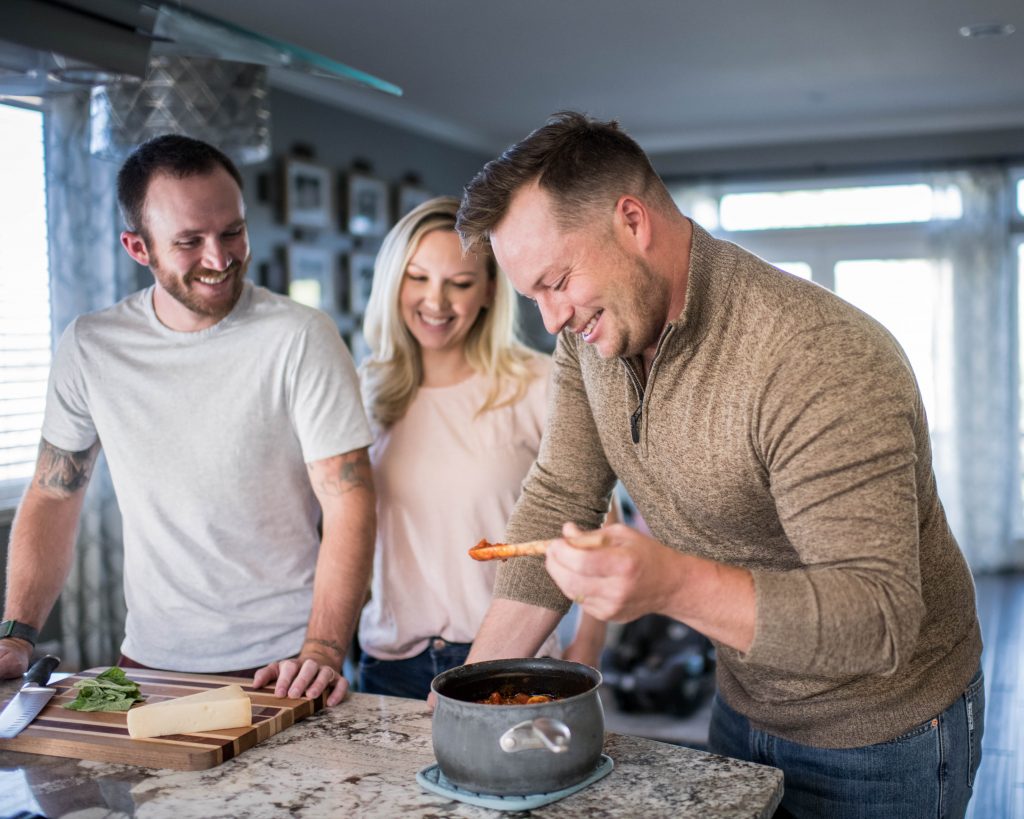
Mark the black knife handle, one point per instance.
(39, 673)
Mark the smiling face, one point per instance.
(197, 246)
(593, 281)
(443, 292)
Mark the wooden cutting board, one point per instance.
(103, 736)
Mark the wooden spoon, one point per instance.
(485, 550)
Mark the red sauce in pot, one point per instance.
(519, 698)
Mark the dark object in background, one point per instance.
(659, 665)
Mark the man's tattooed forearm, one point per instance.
(64, 472)
(346, 474)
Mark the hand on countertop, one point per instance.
(307, 675)
(15, 655)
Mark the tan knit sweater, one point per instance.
(781, 430)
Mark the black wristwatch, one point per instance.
(23, 631)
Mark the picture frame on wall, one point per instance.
(307, 194)
(311, 276)
(360, 281)
(273, 274)
(409, 196)
(366, 200)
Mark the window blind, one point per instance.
(24, 298)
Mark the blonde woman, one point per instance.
(457, 404)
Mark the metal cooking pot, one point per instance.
(518, 749)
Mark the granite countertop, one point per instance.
(360, 759)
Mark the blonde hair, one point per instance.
(393, 372)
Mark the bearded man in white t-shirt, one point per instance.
(231, 421)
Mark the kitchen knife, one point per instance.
(30, 699)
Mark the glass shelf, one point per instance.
(179, 32)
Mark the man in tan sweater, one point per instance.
(774, 439)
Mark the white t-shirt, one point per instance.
(445, 478)
(207, 435)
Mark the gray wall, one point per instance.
(337, 139)
(847, 155)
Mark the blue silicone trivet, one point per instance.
(431, 779)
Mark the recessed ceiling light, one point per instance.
(988, 30)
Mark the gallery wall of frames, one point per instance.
(335, 219)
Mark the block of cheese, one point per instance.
(227, 692)
(226, 707)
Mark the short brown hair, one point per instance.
(581, 162)
(178, 156)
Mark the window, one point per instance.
(24, 298)
(863, 205)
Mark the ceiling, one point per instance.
(677, 75)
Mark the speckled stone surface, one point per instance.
(360, 759)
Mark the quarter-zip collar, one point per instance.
(703, 295)
(681, 336)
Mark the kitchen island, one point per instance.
(360, 759)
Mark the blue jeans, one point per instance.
(927, 772)
(412, 677)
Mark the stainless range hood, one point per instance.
(110, 37)
(155, 68)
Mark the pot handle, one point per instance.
(544, 733)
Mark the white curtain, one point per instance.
(977, 464)
(88, 271)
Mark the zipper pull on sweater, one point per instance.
(634, 423)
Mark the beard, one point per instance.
(185, 291)
(642, 307)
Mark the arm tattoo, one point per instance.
(344, 474)
(333, 645)
(63, 472)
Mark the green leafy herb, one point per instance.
(109, 691)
